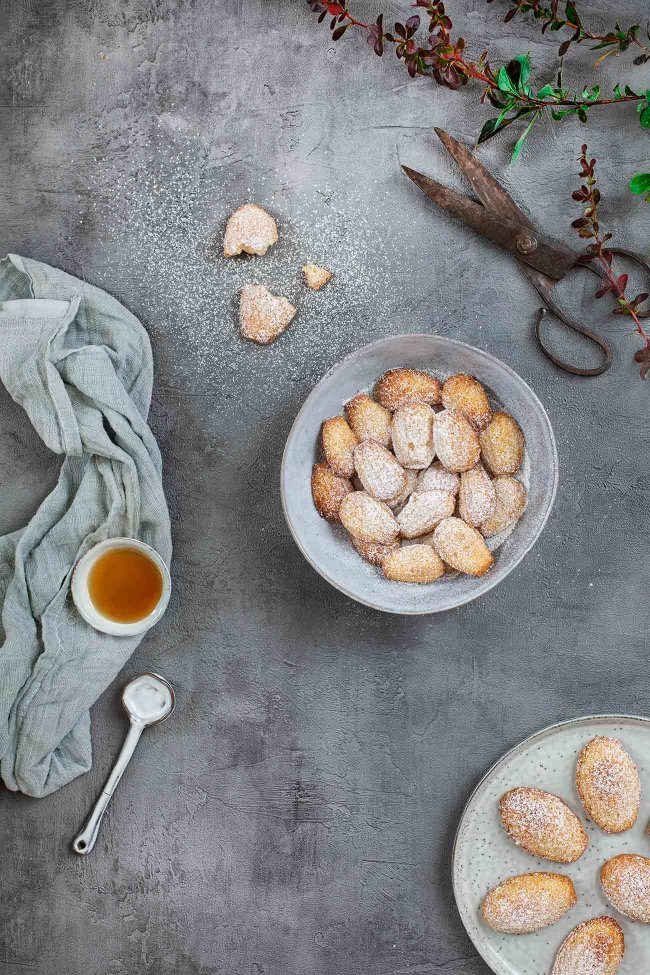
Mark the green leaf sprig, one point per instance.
(509, 88)
(612, 42)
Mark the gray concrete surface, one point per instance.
(296, 815)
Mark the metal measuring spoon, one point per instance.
(147, 699)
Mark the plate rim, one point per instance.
(492, 582)
(511, 752)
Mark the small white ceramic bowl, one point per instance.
(85, 605)
(328, 548)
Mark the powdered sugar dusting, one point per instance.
(542, 824)
(163, 222)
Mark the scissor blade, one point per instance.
(549, 256)
(491, 194)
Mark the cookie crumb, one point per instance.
(316, 277)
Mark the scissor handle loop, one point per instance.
(562, 316)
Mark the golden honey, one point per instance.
(125, 585)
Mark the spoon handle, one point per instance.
(86, 839)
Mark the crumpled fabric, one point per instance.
(80, 365)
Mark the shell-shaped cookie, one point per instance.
(328, 490)
(510, 505)
(368, 519)
(409, 487)
(462, 547)
(378, 471)
(595, 947)
(437, 478)
(412, 432)
(373, 552)
(397, 387)
(542, 824)
(368, 419)
(608, 784)
(528, 902)
(502, 445)
(456, 441)
(424, 511)
(466, 395)
(625, 881)
(413, 563)
(477, 499)
(338, 445)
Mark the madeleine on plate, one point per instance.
(542, 824)
(595, 947)
(528, 902)
(608, 784)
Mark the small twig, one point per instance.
(588, 228)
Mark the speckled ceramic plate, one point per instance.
(483, 855)
(328, 547)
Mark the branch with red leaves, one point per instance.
(611, 42)
(444, 60)
(588, 228)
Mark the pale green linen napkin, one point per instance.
(80, 365)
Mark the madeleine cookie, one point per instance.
(424, 511)
(413, 563)
(437, 478)
(338, 445)
(542, 824)
(462, 547)
(369, 420)
(373, 552)
(502, 445)
(528, 902)
(412, 433)
(368, 519)
(608, 784)
(315, 277)
(378, 471)
(328, 490)
(411, 479)
(456, 441)
(477, 499)
(510, 504)
(595, 947)
(465, 395)
(398, 387)
(625, 881)
(250, 230)
(263, 316)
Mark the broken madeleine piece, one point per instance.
(250, 230)
(262, 316)
(315, 277)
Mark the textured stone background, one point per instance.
(296, 815)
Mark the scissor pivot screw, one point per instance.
(526, 244)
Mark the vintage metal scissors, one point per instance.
(543, 260)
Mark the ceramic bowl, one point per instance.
(327, 547)
(84, 604)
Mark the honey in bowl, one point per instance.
(124, 585)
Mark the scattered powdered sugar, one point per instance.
(157, 245)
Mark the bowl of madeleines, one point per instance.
(418, 474)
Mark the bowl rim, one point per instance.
(490, 583)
